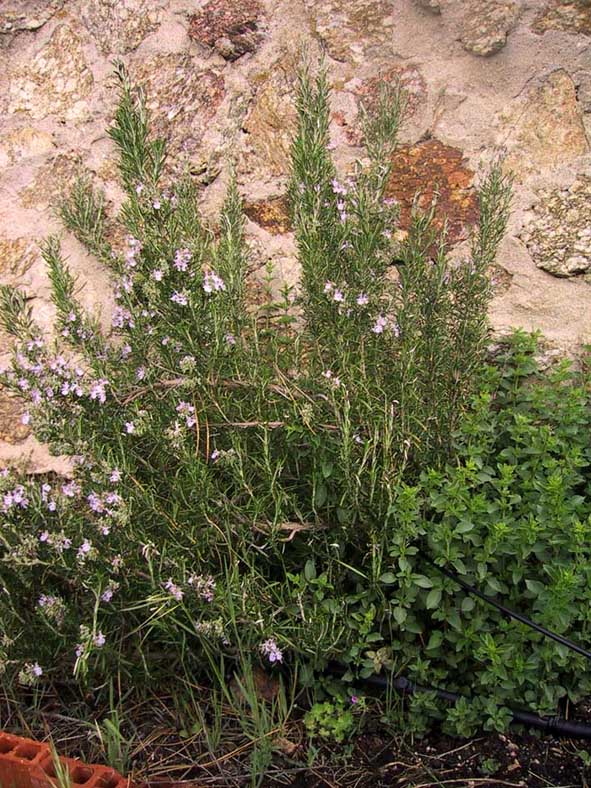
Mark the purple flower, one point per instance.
(354, 699)
(174, 590)
(180, 298)
(115, 476)
(122, 318)
(97, 390)
(140, 373)
(230, 339)
(70, 489)
(337, 187)
(362, 299)
(95, 502)
(338, 296)
(157, 275)
(380, 325)
(99, 639)
(36, 669)
(328, 286)
(26, 418)
(271, 650)
(212, 282)
(129, 427)
(182, 258)
(214, 455)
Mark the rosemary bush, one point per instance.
(243, 476)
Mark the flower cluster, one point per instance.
(53, 608)
(203, 586)
(175, 591)
(182, 258)
(47, 380)
(271, 650)
(212, 282)
(188, 411)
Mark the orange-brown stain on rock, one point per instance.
(272, 214)
(432, 168)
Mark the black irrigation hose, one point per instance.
(553, 726)
(507, 612)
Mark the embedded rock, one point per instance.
(559, 236)
(543, 129)
(17, 16)
(271, 121)
(120, 26)
(486, 25)
(431, 168)
(570, 17)
(17, 255)
(232, 28)
(56, 82)
(182, 96)
(54, 179)
(12, 430)
(24, 143)
(271, 214)
(352, 29)
(430, 5)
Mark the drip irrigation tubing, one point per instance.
(507, 611)
(552, 726)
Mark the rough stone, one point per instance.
(432, 168)
(56, 82)
(366, 91)
(12, 430)
(24, 143)
(583, 87)
(182, 97)
(52, 180)
(570, 17)
(17, 255)
(271, 121)
(559, 235)
(17, 16)
(232, 28)
(408, 76)
(120, 26)
(543, 128)
(352, 29)
(430, 5)
(486, 25)
(271, 214)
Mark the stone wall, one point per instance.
(483, 76)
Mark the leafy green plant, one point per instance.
(330, 720)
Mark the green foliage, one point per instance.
(330, 720)
(262, 483)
